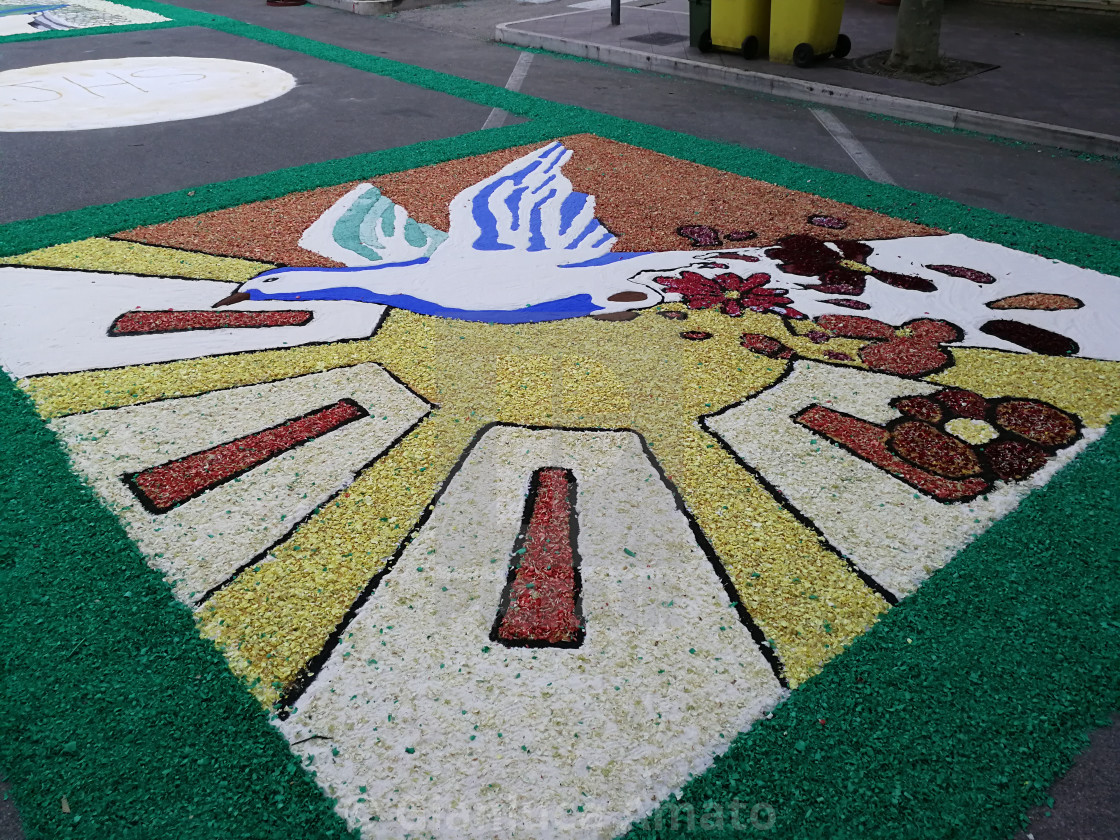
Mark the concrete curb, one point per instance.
(932, 113)
(377, 7)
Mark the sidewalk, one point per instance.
(1055, 83)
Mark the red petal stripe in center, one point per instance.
(167, 485)
(542, 592)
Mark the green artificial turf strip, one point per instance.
(51, 34)
(110, 697)
(952, 715)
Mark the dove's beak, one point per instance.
(236, 297)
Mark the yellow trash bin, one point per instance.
(741, 25)
(802, 31)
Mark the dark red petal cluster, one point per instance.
(1032, 338)
(1014, 460)
(870, 442)
(910, 282)
(764, 345)
(920, 408)
(803, 255)
(845, 273)
(732, 293)
(917, 449)
(1036, 421)
(915, 354)
(855, 326)
(931, 449)
(847, 303)
(963, 403)
(702, 236)
(830, 222)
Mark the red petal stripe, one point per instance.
(163, 487)
(143, 322)
(542, 594)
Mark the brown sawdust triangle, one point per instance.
(642, 196)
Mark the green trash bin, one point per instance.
(742, 26)
(700, 24)
(802, 31)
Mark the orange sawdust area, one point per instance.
(641, 196)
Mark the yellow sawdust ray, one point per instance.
(100, 254)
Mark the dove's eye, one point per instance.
(269, 280)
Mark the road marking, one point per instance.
(859, 154)
(497, 116)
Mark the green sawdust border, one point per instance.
(111, 699)
(168, 11)
(951, 716)
(52, 34)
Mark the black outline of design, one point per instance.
(1079, 301)
(129, 479)
(112, 327)
(307, 674)
(515, 564)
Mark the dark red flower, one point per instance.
(843, 273)
(730, 292)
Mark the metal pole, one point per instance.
(616, 12)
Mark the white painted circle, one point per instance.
(113, 92)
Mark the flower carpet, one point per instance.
(573, 479)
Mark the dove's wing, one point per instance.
(529, 206)
(364, 227)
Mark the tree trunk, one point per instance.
(917, 38)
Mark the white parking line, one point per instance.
(859, 154)
(595, 4)
(520, 70)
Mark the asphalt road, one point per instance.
(1024, 181)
